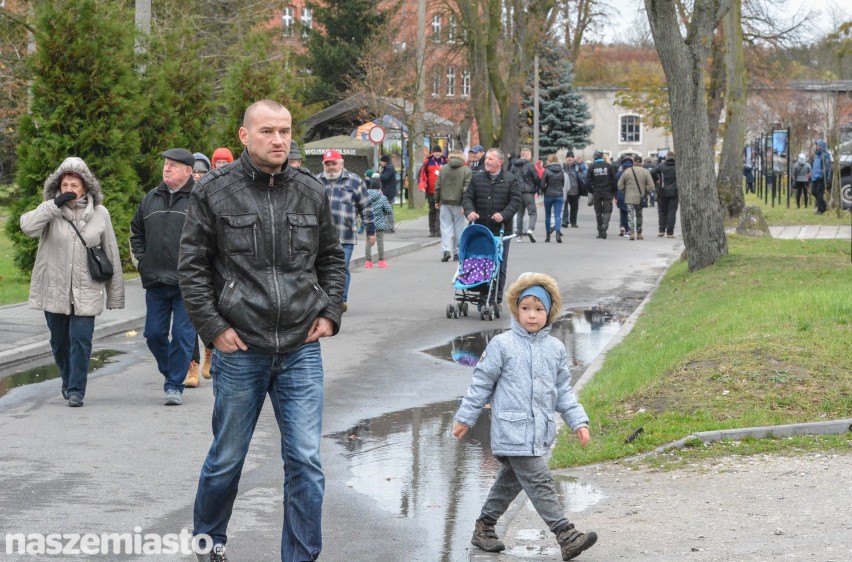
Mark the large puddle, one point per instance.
(51, 371)
(585, 332)
(408, 462)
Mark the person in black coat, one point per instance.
(666, 176)
(492, 198)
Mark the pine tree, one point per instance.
(178, 108)
(84, 103)
(257, 73)
(335, 46)
(564, 116)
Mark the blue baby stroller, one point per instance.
(475, 281)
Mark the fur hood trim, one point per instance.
(528, 280)
(76, 165)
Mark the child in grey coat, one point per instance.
(524, 374)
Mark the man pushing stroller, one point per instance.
(492, 199)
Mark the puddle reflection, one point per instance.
(51, 371)
(412, 467)
(585, 332)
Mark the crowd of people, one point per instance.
(245, 266)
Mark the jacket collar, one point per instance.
(258, 175)
(522, 333)
(187, 187)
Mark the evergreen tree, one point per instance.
(258, 72)
(335, 45)
(564, 114)
(177, 105)
(84, 103)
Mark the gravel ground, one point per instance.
(762, 507)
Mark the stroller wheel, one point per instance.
(497, 310)
(449, 311)
(455, 313)
(464, 309)
(482, 314)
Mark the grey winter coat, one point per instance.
(60, 276)
(525, 377)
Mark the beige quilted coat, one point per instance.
(60, 276)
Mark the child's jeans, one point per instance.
(380, 244)
(531, 475)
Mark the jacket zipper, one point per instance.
(274, 269)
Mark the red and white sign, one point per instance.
(376, 134)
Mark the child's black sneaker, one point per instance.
(485, 537)
(573, 542)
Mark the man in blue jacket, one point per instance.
(820, 174)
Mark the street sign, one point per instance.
(376, 134)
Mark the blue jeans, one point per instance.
(347, 255)
(71, 344)
(294, 382)
(554, 204)
(166, 309)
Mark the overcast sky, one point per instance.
(624, 15)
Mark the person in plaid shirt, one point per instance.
(348, 196)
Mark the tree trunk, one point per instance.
(683, 63)
(730, 180)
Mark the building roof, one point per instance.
(344, 116)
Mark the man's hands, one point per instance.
(322, 327)
(496, 217)
(228, 342)
(472, 216)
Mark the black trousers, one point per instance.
(667, 209)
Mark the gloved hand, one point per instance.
(63, 198)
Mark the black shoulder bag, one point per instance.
(643, 197)
(100, 268)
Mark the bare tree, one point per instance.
(683, 50)
(502, 39)
(577, 18)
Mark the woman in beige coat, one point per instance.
(61, 285)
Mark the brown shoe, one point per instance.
(191, 380)
(639, 236)
(631, 237)
(208, 360)
(485, 537)
(572, 542)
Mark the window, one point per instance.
(452, 25)
(287, 20)
(631, 129)
(306, 20)
(436, 29)
(466, 84)
(451, 81)
(436, 82)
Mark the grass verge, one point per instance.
(780, 215)
(404, 213)
(760, 338)
(14, 285)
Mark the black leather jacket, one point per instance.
(602, 178)
(259, 253)
(487, 195)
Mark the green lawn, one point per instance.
(780, 215)
(14, 286)
(760, 338)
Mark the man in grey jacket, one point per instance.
(262, 273)
(449, 189)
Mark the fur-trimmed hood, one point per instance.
(79, 167)
(530, 279)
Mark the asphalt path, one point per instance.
(125, 461)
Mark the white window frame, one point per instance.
(466, 84)
(436, 82)
(452, 28)
(307, 19)
(451, 81)
(622, 122)
(436, 28)
(288, 20)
